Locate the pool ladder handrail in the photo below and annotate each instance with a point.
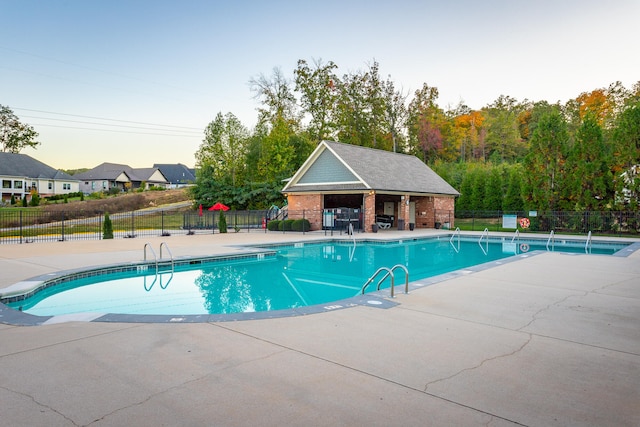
(389, 273)
(155, 258)
(485, 234)
(156, 262)
(170, 254)
(588, 244)
(456, 232)
(552, 240)
(516, 234)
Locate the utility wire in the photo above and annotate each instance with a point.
(106, 119)
(115, 125)
(115, 131)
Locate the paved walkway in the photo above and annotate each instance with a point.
(550, 340)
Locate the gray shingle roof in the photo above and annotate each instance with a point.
(15, 164)
(111, 171)
(381, 171)
(176, 173)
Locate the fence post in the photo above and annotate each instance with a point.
(133, 231)
(21, 227)
(303, 222)
(62, 240)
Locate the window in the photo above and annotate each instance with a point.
(33, 185)
(104, 185)
(93, 185)
(6, 183)
(66, 186)
(17, 184)
(50, 185)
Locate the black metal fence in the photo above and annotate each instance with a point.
(620, 223)
(25, 226)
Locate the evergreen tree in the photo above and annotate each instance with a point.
(494, 191)
(107, 227)
(513, 201)
(591, 181)
(222, 222)
(466, 189)
(478, 189)
(545, 161)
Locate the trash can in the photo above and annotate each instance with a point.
(412, 226)
(400, 224)
(374, 228)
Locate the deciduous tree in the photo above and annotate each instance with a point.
(15, 135)
(318, 88)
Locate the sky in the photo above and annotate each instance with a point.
(137, 81)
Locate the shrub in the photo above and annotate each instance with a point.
(301, 225)
(274, 225)
(222, 222)
(35, 199)
(13, 199)
(24, 202)
(107, 227)
(285, 225)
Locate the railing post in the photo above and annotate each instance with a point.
(62, 240)
(20, 226)
(303, 221)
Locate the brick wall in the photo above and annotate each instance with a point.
(444, 207)
(307, 205)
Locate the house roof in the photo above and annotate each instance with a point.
(16, 164)
(335, 166)
(177, 173)
(111, 171)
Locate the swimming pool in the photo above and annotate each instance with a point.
(276, 278)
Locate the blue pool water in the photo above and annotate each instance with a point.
(289, 277)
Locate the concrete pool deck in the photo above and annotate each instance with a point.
(551, 339)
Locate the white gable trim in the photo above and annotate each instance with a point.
(312, 159)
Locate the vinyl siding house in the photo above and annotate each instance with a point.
(379, 183)
(178, 175)
(107, 176)
(20, 174)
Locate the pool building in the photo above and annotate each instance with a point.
(389, 189)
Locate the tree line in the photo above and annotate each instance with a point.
(509, 155)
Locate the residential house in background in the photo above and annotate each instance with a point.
(178, 175)
(22, 174)
(631, 181)
(107, 176)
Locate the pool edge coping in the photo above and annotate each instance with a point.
(376, 299)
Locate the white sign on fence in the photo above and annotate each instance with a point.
(510, 221)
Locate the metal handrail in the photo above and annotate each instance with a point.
(364, 287)
(155, 258)
(389, 273)
(485, 233)
(516, 234)
(587, 245)
(406, 278)
(170, 254)
(457, 232)
(552, 239)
